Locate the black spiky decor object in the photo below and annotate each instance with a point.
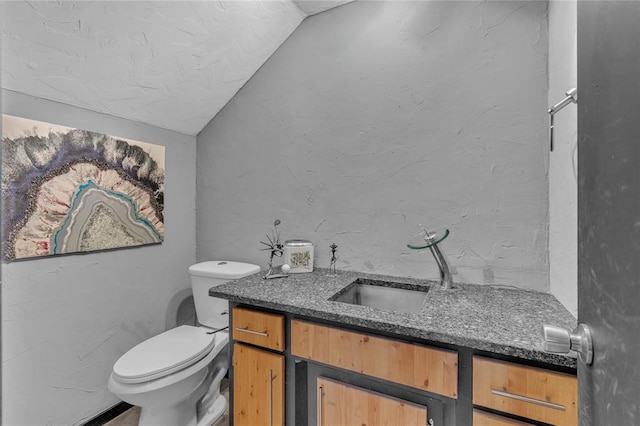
(274, 246)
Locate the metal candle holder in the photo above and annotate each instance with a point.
(332, 264)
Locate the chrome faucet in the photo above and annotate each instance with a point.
(432, 240)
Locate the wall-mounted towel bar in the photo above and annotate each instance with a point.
(571, 97)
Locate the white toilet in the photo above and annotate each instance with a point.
(175, 376)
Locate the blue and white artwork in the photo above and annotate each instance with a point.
(66, 190)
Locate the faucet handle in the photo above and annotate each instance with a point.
(429, 237)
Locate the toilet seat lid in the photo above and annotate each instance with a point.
(164, 354)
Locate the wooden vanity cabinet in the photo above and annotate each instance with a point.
(362, 378)
(258, 374)
(340, 404)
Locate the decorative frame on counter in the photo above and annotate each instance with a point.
(66, 190)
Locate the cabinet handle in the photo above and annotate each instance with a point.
(319, 406)
(527, 399)
(258, 333)
(270, 397)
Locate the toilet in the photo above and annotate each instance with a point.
(175, 376)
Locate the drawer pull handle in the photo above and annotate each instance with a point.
(270, 397)
(319, 405)
(527, 399)
(257, 333)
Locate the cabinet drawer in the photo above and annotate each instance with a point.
(417, 366)
(481, 418)
(534, 393)
(258, 328)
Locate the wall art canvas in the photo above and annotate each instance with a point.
(67, 190)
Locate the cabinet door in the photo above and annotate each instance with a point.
(258, 387)
(340, 404)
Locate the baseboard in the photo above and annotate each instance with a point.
(109, 414)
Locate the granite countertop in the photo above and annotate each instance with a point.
(500, 320)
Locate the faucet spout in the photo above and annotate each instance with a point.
(446, 281)
(432, 240)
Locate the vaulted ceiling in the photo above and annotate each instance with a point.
(171, 64)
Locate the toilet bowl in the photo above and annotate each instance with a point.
(170, 390)
(175, 376)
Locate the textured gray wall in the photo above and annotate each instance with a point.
(66, 320)
(563, 186)
(376, 116)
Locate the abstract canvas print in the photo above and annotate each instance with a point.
(66, 190)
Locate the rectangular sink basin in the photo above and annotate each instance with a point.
(383, 295)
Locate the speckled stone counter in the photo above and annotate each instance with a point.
(500, 320)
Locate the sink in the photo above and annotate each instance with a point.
(384, 295)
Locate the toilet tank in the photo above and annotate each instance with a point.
(212, 312)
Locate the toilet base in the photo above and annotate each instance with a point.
(183, 414)
(214, 412)
(180, 414)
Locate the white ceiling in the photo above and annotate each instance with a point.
(171, 64)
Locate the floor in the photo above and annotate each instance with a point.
(130, 417)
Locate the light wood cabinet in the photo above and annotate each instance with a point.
(418, 366)
(258, 387)
(533, 393)
(340, 404)
(390, 380)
